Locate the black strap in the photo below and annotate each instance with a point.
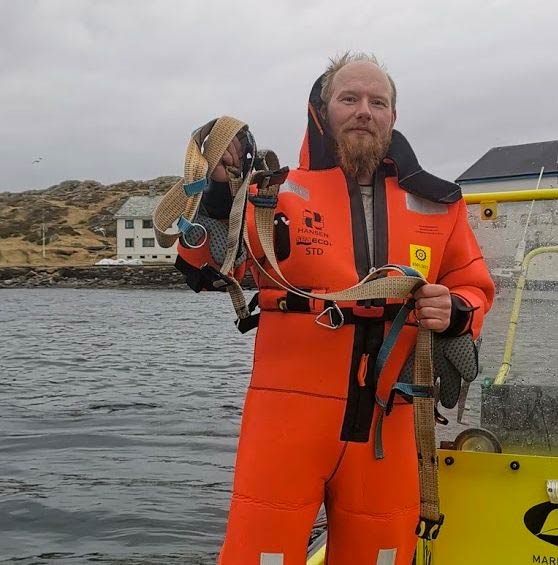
(246, 324)
(296, 303)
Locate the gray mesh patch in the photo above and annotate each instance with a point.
(422, 206)
(217, 235)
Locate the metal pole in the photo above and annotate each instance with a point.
(520, 254)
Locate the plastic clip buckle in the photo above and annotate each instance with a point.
(269, 178)
(429, 529)
(331, 311)
(216, 279)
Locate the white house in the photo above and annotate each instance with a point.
(135, 237)
(516, 167)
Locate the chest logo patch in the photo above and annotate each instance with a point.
(420, 257)
(311, 234)
(313, 220)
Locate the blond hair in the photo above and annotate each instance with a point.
(339, 61)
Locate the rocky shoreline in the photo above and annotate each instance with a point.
(113, 276)
(97, 276)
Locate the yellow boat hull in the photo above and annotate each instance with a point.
(497, 510)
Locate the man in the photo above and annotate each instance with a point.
(358, 200)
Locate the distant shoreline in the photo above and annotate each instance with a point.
(93, 276)
(97, 276)
(144, 276)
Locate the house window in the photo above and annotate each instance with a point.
(129, 242)
(129, 224)
(148, 242)
(128, 256)
(142, 256)
(154, 256)
(168, 257)
(147, 224)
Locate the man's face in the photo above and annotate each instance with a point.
(360, 116)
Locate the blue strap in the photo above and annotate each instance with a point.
(408, 391)
(391, 338)
(396, 326)
(378, 443)
(409, 271)
(383, 355)
(263, 201)
(184, 225)
(195, 187)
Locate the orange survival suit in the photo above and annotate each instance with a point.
(306, 427)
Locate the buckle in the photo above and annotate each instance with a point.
(263, 179)
(369, 311)
(428, 529)
(408, 391)
(186, 227)
(269, 178)
(336, 318)
(215, 278)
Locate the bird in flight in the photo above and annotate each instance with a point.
(38, 160)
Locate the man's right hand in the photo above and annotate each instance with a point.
(231, 158)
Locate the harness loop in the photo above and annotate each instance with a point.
(335, 316)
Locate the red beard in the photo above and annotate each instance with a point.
(360, 155)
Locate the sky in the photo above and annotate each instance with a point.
(111, 89)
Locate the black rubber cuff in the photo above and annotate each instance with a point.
(459, 319)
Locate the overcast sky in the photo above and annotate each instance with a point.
(111, 89)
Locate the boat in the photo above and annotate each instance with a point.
(498, 480)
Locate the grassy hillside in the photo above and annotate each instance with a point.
(78, 217)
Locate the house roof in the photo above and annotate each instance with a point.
(138, 207)
(514, 161)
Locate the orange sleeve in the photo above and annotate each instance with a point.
(190, 262)
(464, 271)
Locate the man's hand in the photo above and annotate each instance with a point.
(433, 307)
(231, 158)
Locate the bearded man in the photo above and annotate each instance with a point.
(359, 200)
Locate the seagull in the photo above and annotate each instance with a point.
(38, 160)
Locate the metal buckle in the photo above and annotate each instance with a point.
(186, 229)
(330, 310)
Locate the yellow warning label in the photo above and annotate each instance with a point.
(420, 256)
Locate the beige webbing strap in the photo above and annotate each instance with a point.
(213, 139)
(374, 285)
(204, 152)
(425, 436)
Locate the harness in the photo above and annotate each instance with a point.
(181, 205)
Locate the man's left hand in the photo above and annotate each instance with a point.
(433, 307)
